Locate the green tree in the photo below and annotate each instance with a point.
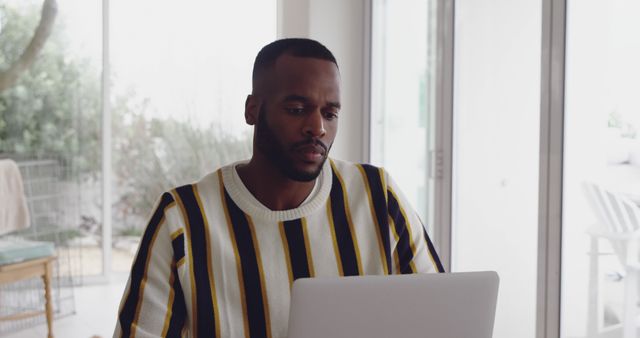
(154, 155)
(53, 110)
(18, 65)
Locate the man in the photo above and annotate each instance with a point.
(218, 257)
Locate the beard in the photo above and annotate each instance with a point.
(277, 153)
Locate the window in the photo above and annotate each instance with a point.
(496, 114)
(50, 122)
(180, 79)
(403, 80)
(602, 147)
(496, 150)
(179, 73)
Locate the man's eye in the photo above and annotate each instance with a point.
(295, 110)
(330, 115)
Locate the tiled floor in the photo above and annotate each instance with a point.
(96, 309)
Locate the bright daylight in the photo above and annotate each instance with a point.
(314, 168)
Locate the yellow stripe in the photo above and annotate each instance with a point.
(408, 224)
(167, 317)
(333, 237)
(391, 222)
(194, 312)
(383, 255)
(129, 289)
(265, 299)
(307, 247)
(395, 252)
(349, 221)
(243, 296)
(212, 283)
(433, 262)
(136, 317)
(287, 253)
(384, 184)
(176, 233)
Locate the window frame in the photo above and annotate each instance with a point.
(552, 60)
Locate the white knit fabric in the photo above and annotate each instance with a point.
(240, 258)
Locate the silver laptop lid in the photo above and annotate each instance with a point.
(448, 305)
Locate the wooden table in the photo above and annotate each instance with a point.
(39, 267)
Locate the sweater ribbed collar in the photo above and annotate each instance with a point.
(251, 206)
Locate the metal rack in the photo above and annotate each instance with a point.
(53, 200)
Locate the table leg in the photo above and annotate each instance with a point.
(47, 295)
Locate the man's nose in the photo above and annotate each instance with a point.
(314, 124)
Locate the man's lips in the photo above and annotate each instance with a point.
(311, 151)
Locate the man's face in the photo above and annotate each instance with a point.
(298, 116)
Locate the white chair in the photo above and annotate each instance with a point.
(619, 223)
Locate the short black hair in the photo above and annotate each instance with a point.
(300, 47)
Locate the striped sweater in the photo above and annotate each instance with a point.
(214, 262)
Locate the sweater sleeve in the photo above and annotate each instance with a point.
(153, 304)
(413, 250)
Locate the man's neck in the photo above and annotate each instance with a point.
(269, 186)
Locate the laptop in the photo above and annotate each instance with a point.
(447, 305)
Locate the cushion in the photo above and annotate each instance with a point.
(15, 250)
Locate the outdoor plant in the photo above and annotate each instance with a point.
(53, 110)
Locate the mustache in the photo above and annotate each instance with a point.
(310, 142)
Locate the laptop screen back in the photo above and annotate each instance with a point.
(450, 305)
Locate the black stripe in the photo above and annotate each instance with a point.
(128, 311)
(433, 252)
(250, 271)
(405, 255)
(297, 250)
(341, 227)
(380, 207)
(204, 306)
(178, 247)
(179, 307)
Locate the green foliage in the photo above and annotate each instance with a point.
(54, 111)
(627, 130)
(131, 232)
(154, 155)
(50, 233)
(54, 107)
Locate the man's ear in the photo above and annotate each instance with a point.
(251, 110)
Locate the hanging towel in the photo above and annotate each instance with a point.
(14, 214)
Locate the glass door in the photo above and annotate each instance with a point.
(496, 119)
(50, 124)
(403, 96)
(601, 169)
(180, 80)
